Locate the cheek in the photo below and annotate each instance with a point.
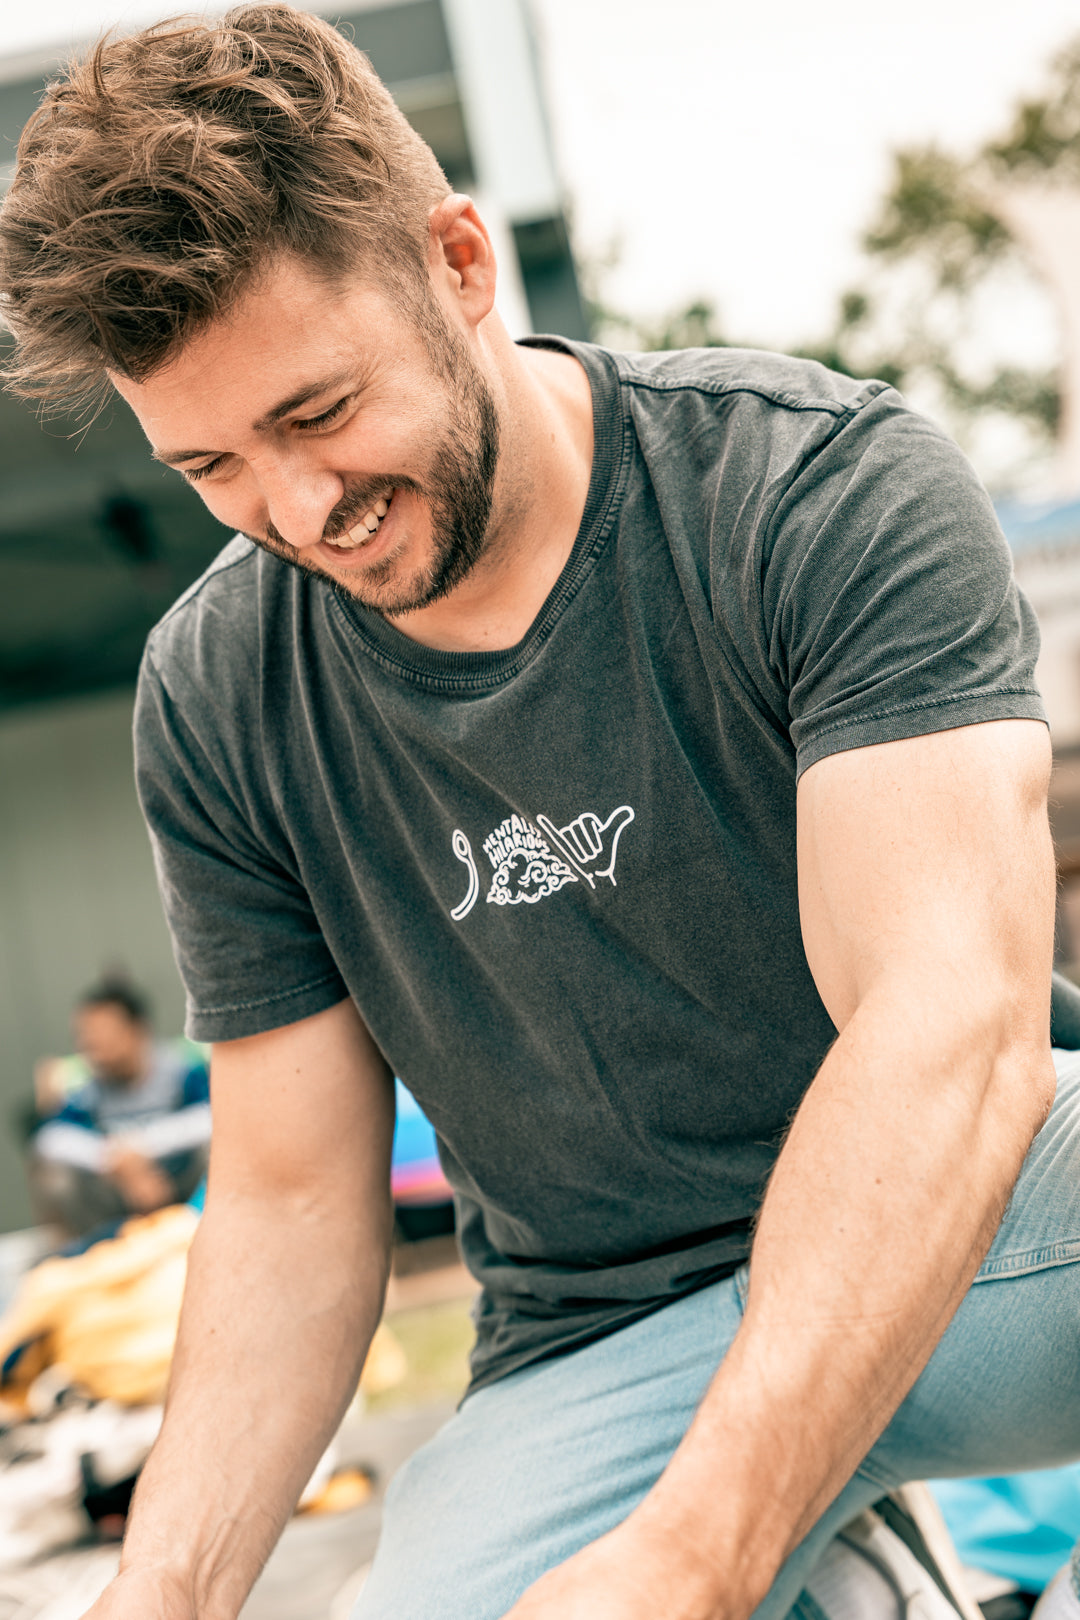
(236, 504)
(396, 439)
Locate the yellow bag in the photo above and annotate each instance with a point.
(110, 1315)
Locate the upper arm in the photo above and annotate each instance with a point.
(926, 875)
(305, 1110)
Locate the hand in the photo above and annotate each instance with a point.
(139, 1179)
(589, 844)
(626, 1575)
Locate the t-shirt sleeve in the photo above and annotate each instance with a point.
(890, 605)
(247, 943)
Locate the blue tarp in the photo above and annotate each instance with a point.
(1022, 1526)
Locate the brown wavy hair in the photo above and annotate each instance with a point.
(162, 173)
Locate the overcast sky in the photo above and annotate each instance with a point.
(736, 150)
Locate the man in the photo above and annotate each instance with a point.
(132, 1138)
(642, 759)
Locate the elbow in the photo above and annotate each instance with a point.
(1032, 1086)
(1021, 1078)
(996, 1027)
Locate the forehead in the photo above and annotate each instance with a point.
(101, 1014)
(286, 332)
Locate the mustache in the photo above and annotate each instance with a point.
(357, 499)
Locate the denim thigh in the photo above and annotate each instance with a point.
(545, 1461)
(1001, 1392)
(536, 1466)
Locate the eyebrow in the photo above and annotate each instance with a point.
(176, 458)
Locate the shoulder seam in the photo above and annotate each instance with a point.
(664, 385)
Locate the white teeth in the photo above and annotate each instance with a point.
(364, 528)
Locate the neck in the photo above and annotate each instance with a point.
(545, 462)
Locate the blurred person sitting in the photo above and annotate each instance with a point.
(132, 1137)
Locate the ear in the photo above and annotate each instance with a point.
(460, 257)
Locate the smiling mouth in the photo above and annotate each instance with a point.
(365, 527)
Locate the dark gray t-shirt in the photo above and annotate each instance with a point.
(559, 880)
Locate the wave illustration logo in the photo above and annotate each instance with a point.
(526, 869)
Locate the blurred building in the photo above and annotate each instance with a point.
(96, 541)
(1045, 541)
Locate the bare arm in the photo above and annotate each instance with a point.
(926, 895)
(285, 1286)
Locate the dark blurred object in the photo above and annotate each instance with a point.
(1010, 1605)
(106, 1505)
(96, 542)
(129, 524)
(1064, 1013)
(415, 1222)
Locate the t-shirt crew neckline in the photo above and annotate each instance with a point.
(470, 671)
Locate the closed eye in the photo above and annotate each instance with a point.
(308, 424)
(316, 422)
(201, 472)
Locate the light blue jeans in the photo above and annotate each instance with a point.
(536, 1466)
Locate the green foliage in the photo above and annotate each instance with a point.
(695, 326)
(1044, 137)
(1033, 396)
(934, 208)
(937, 242)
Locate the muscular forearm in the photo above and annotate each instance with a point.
(885, 1198)
(283, 1297)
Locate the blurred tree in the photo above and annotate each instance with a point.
(943, 251)
(944, 270)
(696, 326)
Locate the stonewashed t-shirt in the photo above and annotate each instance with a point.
(559, 880)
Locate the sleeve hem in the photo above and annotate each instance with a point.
(918, 719)
(231, 1023)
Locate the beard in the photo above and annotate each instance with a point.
(458, 490)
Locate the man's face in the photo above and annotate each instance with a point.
(335, 431)
(111, 1042)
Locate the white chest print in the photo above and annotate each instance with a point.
(527, 866)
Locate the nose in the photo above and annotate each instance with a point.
(298, 500)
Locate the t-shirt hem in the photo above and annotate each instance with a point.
(231, 1023)
(490, 1366)
(919, 719)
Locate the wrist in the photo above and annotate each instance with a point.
(689, 1555)
(148, 1592)
(719, 1564)
(171, 1589)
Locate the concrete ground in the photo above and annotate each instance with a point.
(316, 1557)
(313, 1573)
(315, 1570)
